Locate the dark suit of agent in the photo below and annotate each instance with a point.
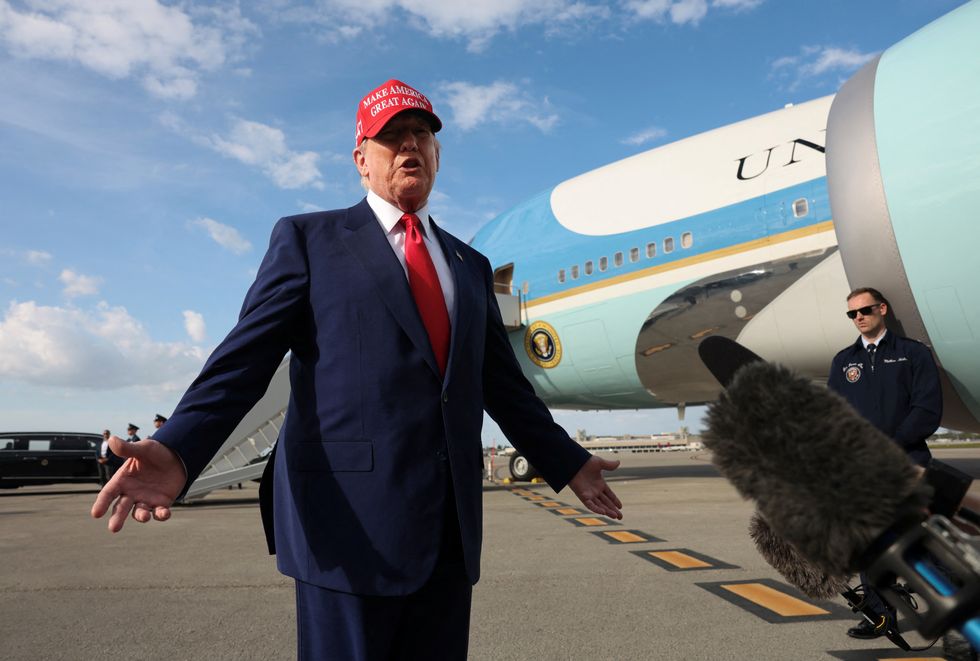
(377, 475)
(893, 382)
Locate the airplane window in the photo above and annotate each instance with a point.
(669, 244)
(588, 267)
(634, 254)
(651, 250)
(618, 259)
(561, 275)
(801, 208)
(575, 272)
(687, 240)
(603, 263)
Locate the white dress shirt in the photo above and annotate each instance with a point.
(390, 216)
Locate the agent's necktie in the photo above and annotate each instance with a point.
(424, 282)
(871, 355)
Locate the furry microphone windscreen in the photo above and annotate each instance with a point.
(823, 477)
(781, 556)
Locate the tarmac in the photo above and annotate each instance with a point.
(678, 578)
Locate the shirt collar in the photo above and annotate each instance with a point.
(876, 341)
(389, 215)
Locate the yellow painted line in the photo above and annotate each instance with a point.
(678, 559)
(550, 503)
(624, 536)
(589, 521)
(567, 510)
(792, 235)
(535, 498)
(774, 600)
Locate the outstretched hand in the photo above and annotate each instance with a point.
(146, 485)
(592, 489)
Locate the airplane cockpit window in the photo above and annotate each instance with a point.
(588, 267)
(618, 259)
(669, 244)
(800, 207)
(603, 263)
(687, 240)
(634, 254)
(651, 250)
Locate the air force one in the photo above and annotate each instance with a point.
(755, 231)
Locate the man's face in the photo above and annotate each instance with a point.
(872, 324)
(158, 423)
(400, 163)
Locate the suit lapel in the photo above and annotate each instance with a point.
(366, 240)
(464, 285)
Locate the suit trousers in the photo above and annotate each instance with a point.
(432, 623)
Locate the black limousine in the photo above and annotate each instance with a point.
(28, 458)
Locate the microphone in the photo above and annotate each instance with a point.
(823, 477)
(834, 492)
(785, 559)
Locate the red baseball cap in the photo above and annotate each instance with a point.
(386, 101)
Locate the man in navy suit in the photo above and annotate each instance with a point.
(397, 347)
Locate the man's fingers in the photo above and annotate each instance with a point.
(102, 502)
(608, 464)
(120, 510)
(142, 512)
(161, 513)
(610, 506)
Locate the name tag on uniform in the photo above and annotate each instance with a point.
(896, 360)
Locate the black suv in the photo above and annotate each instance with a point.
(48, 458)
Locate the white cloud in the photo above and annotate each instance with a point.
(101, 348)
(224, 235)
(38, 257)
(194, 325)
(77, 284)
(816, 61)
(265, 147)
(477, 23)
(646, 135)
(738, 5)
(499, 102)
(165, 47)
(681, 12)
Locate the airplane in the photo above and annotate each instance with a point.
(755, 231)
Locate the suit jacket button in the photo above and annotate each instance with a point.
(445, 397)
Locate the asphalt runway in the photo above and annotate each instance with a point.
(678, 578)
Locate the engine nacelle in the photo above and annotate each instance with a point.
(903, 171)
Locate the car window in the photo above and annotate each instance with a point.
(38, 446)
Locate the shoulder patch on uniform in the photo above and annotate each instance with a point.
(852, 373)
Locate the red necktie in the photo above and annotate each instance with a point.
(426, 290)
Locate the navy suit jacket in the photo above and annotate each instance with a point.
(373, 432)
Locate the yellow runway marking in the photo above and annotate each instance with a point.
(568, 510)
(776, 601)
(590, 521)
(550, 503)
(625, 537)
(534, 498)
(678, 559)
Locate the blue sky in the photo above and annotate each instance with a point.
(147, 148)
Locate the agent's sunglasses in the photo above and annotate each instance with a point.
(865, 311)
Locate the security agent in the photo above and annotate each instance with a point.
(893, 382)
(158, 421)
(133, 436)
